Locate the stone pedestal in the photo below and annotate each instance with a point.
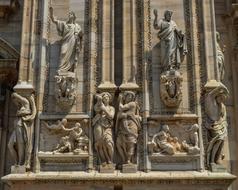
(217, 168)
(129, 168)
(18, 169)
(108, 168)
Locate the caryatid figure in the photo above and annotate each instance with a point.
(103, 124)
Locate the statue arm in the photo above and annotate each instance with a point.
(52, 17)
(155, 24)
(110, 113)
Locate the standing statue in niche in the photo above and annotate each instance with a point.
(103, 124)
(173, 46)
(220, 57)
(216, 124)
(71, 45)
(127, 126)
(20, 142)
(71, 42)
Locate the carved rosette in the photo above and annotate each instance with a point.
(171, 88)
(65, 89)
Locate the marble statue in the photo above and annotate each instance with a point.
(220, 57)
(20, 142)
(103, 124)
(127, 126)
(172, 40)
(191, 146)
(72, 35)
(163, 143)
(216, 123)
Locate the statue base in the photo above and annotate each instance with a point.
(129, 168)
(108, 168)
(18, 169)
(218, 168)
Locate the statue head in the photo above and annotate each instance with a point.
(64, 121)
(193, 128)
(168, 15)
(218, 36)
(72, 17)
(165, 128)
(106, 98)
(129, 96)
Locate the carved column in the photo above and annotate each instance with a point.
(129, 45)
(107, 48)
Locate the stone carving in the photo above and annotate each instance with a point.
(127, 126)
(65, 89)
(71, 44)
(164, 143)
(171, 88)
(20, 142)
(191, 146)
(220, 57)
(161, 142)
(172, 41)
(103, 124)
(75, 141)
(216, 123)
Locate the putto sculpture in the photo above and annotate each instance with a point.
(216, 123)
(173, 48)
(71, 45)
(20, 142)
(103, 124)
(127, 127)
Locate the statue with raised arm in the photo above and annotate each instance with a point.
(71, 42)
(103, 124)
(173, 46)
(20, 142)
(127, 126)
(216, 123)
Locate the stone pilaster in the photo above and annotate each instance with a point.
(107, 49)
(129, 45)
(210, 53)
